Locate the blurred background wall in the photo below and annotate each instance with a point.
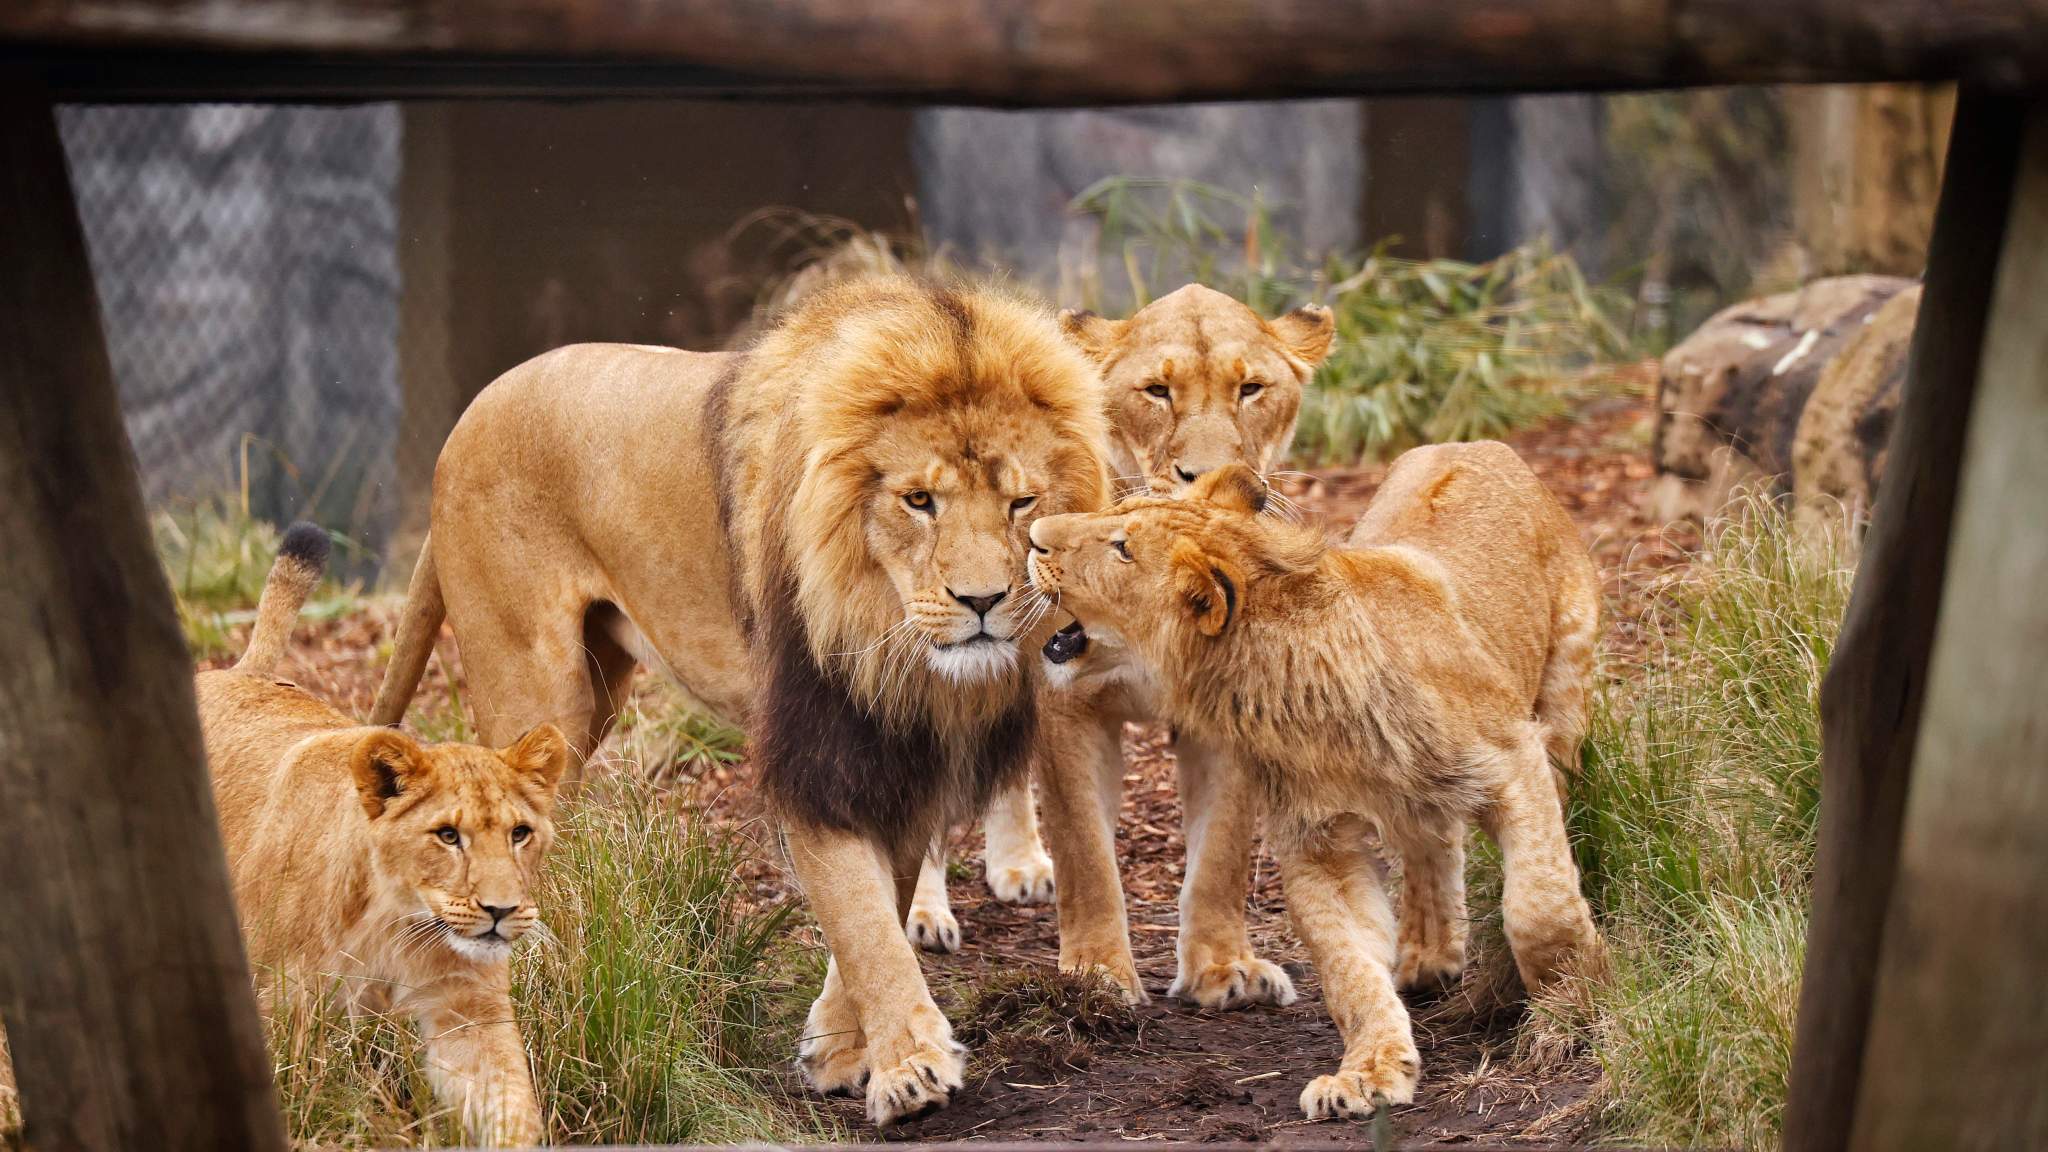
(300, 301)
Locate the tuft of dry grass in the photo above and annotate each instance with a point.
(1041, 1018)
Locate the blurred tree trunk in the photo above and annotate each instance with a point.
(1867, 167)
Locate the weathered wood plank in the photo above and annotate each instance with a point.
(123, 986)
(1016, 51)
(1959, 1022)
(1871, 701)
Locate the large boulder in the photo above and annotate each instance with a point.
(1792, 394)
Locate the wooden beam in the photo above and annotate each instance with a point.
(1871, 700)
(1007, 51)
(123, 986)
(1958, 1047)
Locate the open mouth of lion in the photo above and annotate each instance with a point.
(1065, 644)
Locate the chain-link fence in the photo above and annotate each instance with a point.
(248, 278)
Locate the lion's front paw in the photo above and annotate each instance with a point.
(918, 1085)
(1353, 1095)
(1428, 972)
(1235, 983)
(1028, 881)
(834, 1062)
(933, 929)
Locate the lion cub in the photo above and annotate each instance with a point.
(395, 874)
(1408, 682)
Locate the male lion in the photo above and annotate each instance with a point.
(396, 873)
(822, 535)
(1196, 381)
(1408, 681)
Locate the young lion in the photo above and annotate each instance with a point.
(399, 875)
(1406, 682)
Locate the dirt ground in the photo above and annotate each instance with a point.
(1173, 1073)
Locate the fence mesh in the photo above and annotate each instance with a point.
(247, 271)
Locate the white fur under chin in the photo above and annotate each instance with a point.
(973, 663)
(471, 948)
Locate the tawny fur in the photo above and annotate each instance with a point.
(335, 837)
(1409, 681)
(789, 531)
(1195, 380)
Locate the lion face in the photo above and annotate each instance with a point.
(1149, 573)
(1197, 381)
(947, 521)
(935, 424)
(458, 832)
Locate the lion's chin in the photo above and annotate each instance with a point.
(491, 947)
(971, 662)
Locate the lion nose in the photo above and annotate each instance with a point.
(1037, 547)
(1187, 475)
(498, 912)
(981, 604)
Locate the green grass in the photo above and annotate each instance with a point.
(1694, 820)
(1426, 350)
(650, 1017)
(216, 557)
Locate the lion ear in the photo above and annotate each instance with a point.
(1096, 335)
(541, 756)
(1307, 332)
(1235, 487)
(1204, 586)
(384, 765)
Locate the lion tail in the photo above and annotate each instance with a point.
(301, 561)
(417, 629)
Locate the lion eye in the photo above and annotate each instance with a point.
(447, 835)
(1249, 389)
(1159, 390)
(919, 501)
(521, 834)
(1122, 549)
(1022, 503)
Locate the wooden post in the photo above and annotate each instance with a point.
(123, 984)
(1959, 1021)
(1871, 700)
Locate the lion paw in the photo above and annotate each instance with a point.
(1118, 971)
(834, 1064)
(1355, 1095)
(933, 929)
(1237, 983)
(1428, 973)
(1029, 882)
(917, 1086)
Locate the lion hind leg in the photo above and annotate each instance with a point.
(1549, 925)
(1567, 670)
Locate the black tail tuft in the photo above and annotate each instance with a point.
(306, 545)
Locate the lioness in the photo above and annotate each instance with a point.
(398, 874)
(1408, 682)
(822, 535)
(1195, 381)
